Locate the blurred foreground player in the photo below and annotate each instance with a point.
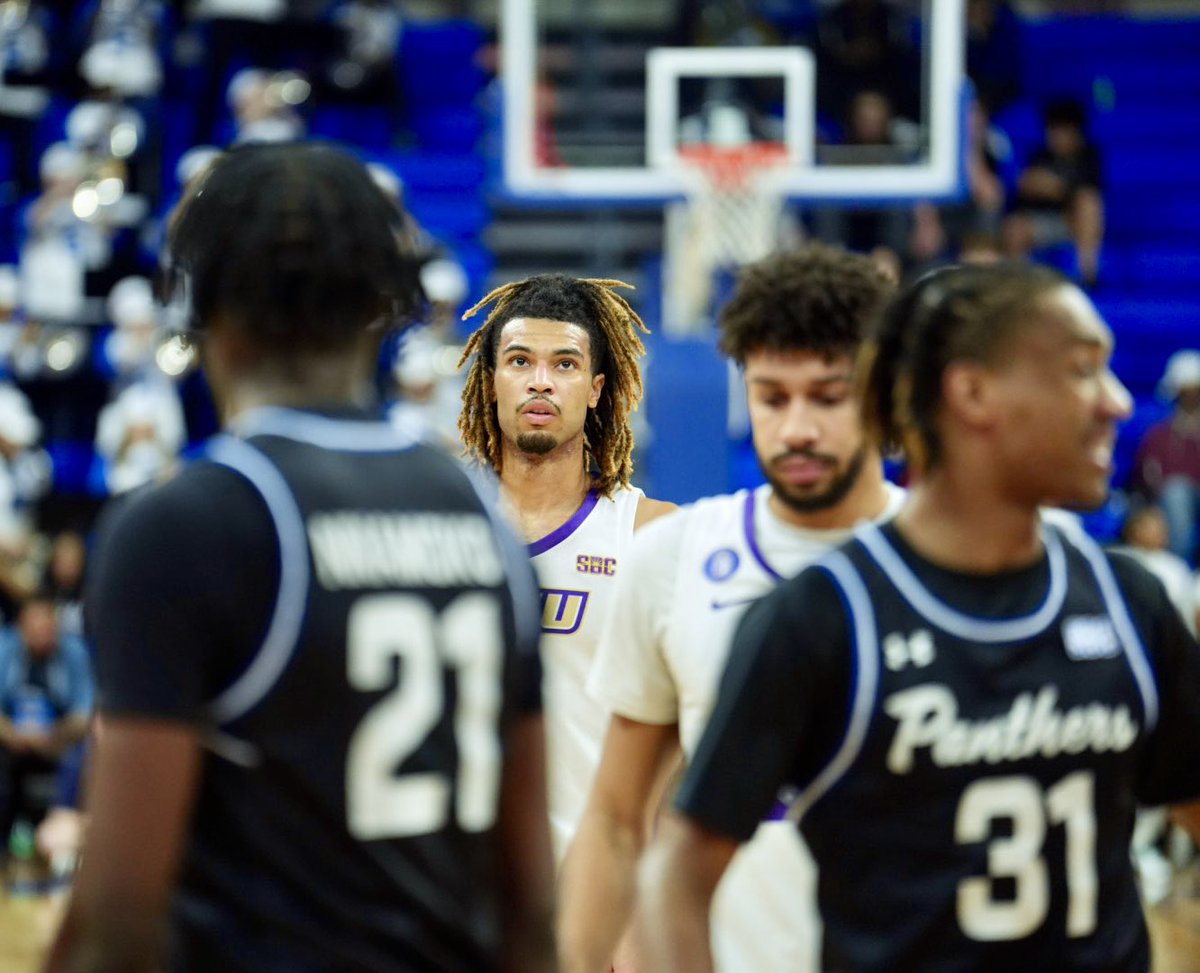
(967, 704)
(316, 650)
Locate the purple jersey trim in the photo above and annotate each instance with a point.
(561, 533)
(751, 541)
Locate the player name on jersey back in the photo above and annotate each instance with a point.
(369, 549)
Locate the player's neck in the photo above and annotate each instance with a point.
(246, 376)
(965, 527)
(279, 392)
(544, 491)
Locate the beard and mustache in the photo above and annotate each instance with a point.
(803, 500)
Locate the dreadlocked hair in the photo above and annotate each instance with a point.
(612, 327)
(953, 314)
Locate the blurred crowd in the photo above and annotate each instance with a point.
(1042, 199)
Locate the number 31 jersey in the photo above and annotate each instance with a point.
(969, 754)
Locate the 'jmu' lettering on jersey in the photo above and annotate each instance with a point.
(927, 717)
(366, 549)
(563, 610)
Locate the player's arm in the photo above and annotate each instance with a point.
(787, 674)
(526, 861)
(139, 802)
(1171, 772)
(675, 891)
(598, 878)
(649, 510)
(163, 624)
(630, 677)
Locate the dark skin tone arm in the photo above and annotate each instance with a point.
(140, 797)
(676, 884)
(526, 860)
(140, 800)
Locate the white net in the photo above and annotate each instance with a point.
(732, 216)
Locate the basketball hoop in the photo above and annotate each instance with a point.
(732, 217)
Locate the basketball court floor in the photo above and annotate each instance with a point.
(27, 925)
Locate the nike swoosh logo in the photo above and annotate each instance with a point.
(733, 603)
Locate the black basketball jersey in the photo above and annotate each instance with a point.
(966, 779)
(345, 814)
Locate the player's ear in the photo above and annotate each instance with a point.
(967, 393)
(597, 388)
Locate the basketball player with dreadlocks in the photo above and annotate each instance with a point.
(793, 326)
(547, 406)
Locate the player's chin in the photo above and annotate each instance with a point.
(806, 499)
(1085, 493)
(536, 443)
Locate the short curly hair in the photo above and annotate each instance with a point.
(815, 298)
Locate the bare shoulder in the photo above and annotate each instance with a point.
(649, 510)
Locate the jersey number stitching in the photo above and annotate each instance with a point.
(1020, 799)
(465, 637)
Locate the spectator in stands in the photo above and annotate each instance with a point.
(980, 248)
(938, 231)
(427, 392)
(77, 236)
(25, 476)
(11, 324)
(1144, 537)
(128, 350)
(273, 34)
(1167, 462)
(262, 110)
(111, 135)
(366, 68)
(26, 58)
(139, 435)
(994, 52)
(55, 245)
(121, 55)
(871, 139)
(64, 580)
(46, 695)
(863, 44)
(1059, 193)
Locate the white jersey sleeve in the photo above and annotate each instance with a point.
(630, 674)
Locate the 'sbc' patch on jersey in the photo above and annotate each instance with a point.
(562, 610)
(592, 564)
(1090, 637)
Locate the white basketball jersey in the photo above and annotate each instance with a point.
(577, 566)
(721, 553)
